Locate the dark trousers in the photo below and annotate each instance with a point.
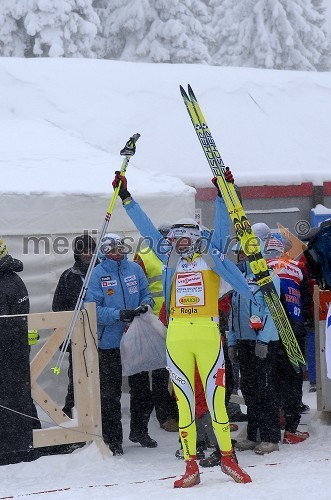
(164, 402)
(259, 388)
(16, 430)
(70, 397)
(141, 403)
(290, 387)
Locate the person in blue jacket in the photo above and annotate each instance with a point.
(193, 264)
(253, 340)
(120, 290)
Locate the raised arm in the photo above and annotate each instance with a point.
(145, 226)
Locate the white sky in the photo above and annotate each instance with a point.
(63, 122)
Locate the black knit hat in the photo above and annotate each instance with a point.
(83, 244)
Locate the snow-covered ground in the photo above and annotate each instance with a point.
(141, 473)
(295, 472)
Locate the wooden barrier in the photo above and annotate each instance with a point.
(87, 425)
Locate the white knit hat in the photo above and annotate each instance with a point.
(272, 241)
(261, 230)
(109, 242)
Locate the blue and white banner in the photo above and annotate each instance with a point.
(328, 343)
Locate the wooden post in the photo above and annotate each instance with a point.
(86, 371)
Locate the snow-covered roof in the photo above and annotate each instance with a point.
(63, 122)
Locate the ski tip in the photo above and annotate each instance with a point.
(190, 92)
(182, 91)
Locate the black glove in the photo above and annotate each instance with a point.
(233, 353)
(123, 192)
(141, 309)
(127, 315)
(261, 349)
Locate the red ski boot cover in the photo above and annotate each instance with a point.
(230, 466)
(295, 437)
(191, 476)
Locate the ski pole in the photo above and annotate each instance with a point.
(127, 152)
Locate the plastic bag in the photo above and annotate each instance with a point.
(143, 345)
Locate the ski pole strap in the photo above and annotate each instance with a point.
(130, 147)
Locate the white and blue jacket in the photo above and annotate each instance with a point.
(216, 258)
(114, 286)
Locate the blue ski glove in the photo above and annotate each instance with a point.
(261, 349)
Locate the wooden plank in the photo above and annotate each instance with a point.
(48, 405)
(45, 354)
(56, 435)
(50, 320)
(45, 321)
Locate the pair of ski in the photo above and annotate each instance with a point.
(243, 229)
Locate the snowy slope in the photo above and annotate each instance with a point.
(66, 119)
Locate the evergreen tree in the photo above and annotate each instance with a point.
(12, 32)
(320, 7)
(60, 28)
(124, 22)
(173, 31)
(279, 34)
